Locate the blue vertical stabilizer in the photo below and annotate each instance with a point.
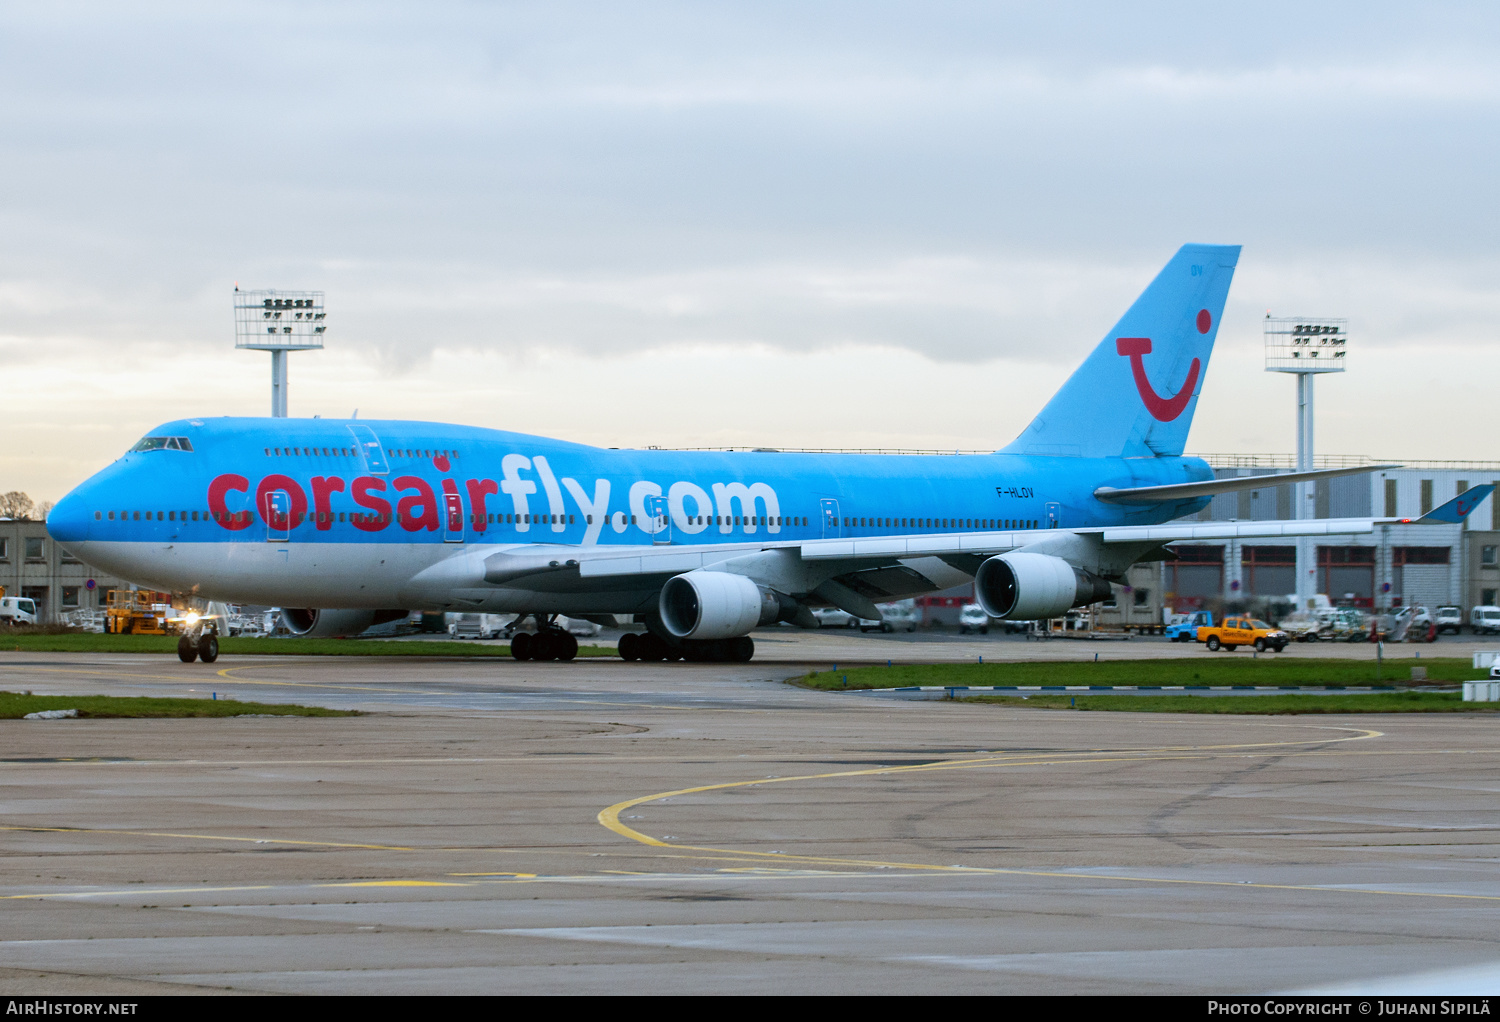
(1136, 394)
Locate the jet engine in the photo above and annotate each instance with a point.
(719, 605)
(329, 624)
(1028, 587)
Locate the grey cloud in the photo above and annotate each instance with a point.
(948, 178)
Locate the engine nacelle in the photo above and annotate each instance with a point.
(1028, 587)
(719, 605)
(330, 624)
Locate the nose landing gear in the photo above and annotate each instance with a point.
(203, 646)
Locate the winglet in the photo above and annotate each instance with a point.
(1457, 509)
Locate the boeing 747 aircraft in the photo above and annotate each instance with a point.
(360, 521)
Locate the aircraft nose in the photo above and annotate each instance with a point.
(68, 521)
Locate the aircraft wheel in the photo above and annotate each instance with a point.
(1260, 645)
(543, 646)
(1213, 643)
(741, 649)
(520, 645)
(208, 648)
(651, 647)
(187, 652)
(565, 646)
(630, 646)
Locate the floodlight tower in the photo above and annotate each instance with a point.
(278, 322)
(1307, 347)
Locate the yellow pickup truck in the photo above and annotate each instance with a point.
(1243, 631)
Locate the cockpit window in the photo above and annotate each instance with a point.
(163, 443)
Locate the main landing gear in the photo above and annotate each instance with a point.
(650, 646)
(203, 647)
(548, 643)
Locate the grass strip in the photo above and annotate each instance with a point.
(1371, 702)
(15, 705)
(89, 642)
(1210, 669)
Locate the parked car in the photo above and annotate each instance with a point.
(973, 619)
(832, 617)
(1449, 619)
(1485, 620)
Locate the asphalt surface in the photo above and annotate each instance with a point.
(602, 827)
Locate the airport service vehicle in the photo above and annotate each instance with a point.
(1449, 619)
(139, 612)
(1243, 631)
(476, 626)
(1184, 627)
(973, 619)
(17, 610)
(345, 523)
(1485, 620)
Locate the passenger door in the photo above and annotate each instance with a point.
(661, 526)
(453, 519)
(832, 523)
(278, 515)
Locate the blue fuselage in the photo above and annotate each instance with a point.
(319, 481)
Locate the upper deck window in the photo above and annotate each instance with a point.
(163, 443)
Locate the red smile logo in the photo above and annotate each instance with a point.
(1164, 409)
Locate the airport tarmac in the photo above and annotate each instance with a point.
(603, 827)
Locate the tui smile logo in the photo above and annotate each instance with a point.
(1163, 409)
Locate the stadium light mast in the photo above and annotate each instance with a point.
(279, 322)
(1307, 347)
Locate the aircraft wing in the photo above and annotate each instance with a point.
(854, 573)
(675, 559)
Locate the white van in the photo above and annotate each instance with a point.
(973, 619)
(1485, 620)
(17, 610)
(900, 616)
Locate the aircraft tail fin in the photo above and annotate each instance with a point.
(1457, 509)
(1136, 393)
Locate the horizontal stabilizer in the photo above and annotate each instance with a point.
(1210, 487)
(1457, 509)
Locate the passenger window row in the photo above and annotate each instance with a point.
(851, 522)
(397, 452)
(333, 452)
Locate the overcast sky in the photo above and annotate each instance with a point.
(858, 224)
